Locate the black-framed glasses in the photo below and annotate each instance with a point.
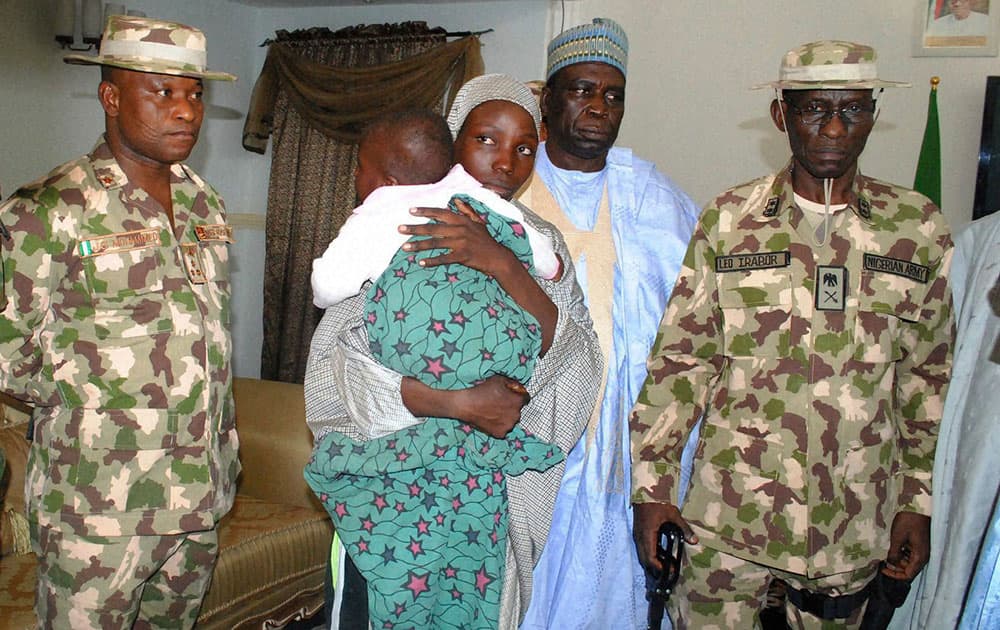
(818, 114)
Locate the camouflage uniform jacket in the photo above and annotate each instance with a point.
(820, 421)
(117, 330)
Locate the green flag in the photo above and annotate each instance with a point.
(928, 178)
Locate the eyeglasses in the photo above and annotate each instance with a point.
(816, 114)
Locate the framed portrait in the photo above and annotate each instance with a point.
(956, 28)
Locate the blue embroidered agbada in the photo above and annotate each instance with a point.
(589, 575)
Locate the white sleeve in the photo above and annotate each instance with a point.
(362, 250)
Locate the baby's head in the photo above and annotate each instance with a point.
(403, 148)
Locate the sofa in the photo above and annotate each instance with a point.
(274, 545)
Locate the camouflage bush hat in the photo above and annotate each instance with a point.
(603, 40)
(829, 65)
(491, 87)
(149, 45)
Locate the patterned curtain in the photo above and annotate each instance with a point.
(317, 90)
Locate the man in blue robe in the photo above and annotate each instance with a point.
(627, 227)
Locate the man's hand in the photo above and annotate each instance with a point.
(909, 545)
(464, 234)
(647, 519)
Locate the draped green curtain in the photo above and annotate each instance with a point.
(315, 93)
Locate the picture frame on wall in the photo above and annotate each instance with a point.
(956, 28)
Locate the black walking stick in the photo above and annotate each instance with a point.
(669, 551)
(885, 595)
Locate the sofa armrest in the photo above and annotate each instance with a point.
(275, 442)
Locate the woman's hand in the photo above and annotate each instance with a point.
(470, 244)
(493, 406)
(464, 234)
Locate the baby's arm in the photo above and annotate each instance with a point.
(361, 252)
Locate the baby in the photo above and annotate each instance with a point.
(423, 509)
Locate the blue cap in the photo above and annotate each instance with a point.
(602, 41)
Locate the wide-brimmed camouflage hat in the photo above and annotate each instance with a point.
(149, 45)
(830, 65)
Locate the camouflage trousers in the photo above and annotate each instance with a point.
(121, 582)
(718, 591)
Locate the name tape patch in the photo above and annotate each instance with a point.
(122, 242)
(214, 232)
(752, 262)
(896, 266)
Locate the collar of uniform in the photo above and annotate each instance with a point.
(106, 167)
(111, 175)
(181, 171)
(779, 197)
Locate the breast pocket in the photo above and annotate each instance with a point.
(756, 312)
(127, 293)
(886, 302)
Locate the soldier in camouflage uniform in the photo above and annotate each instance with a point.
(811, 324)
(115, 326)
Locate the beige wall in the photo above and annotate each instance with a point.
(51, 114)
(689, 105)
(691, 110)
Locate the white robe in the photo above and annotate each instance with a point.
(966, 472)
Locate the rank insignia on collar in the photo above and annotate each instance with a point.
(864, 208)
(771, 208)
(831, 288)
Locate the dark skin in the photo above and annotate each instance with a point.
(909, 538)
(828, 150)
(583, 105)
(152, 121)
(371, 172)
(496, 146)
